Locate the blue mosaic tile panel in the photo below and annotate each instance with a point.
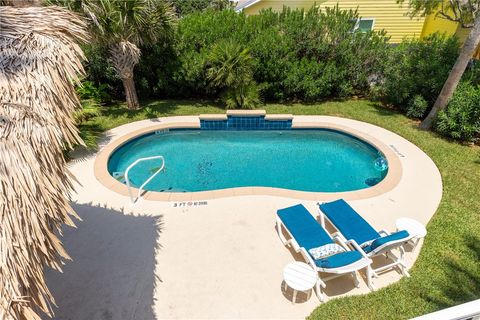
(213, 124)
(246, 123)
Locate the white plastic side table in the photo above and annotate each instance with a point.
(413, 227)
(300, 277)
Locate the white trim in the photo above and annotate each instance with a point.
(355, 28)
(352, 268)
(385, 249)
(469, 310)
(246, 4)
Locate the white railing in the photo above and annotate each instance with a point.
(127, 180)
(469, 310)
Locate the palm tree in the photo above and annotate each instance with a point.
(230, 67)
(123, 26)
(40, 62)
(455, 75)
(467, 15)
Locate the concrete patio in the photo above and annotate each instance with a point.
(218, 259)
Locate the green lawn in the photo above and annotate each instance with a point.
(448, 269)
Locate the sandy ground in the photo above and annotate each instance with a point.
(221, 259)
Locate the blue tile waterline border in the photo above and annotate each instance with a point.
(171, 130)
(246, 123)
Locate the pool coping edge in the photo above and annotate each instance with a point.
(391, 180)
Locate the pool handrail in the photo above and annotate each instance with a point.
(127, 180)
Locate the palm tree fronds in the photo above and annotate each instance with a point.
(124, 26)
(40, 62)
(125, 56)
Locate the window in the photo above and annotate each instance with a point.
(364, 24)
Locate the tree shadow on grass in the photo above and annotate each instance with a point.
(146, 110)
(463, 276)
(112, 275)
(165, 106)
(384, 110)
(155, 108)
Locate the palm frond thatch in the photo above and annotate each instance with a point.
(39, 64)
(125, 56)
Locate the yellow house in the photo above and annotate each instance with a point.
(374, 15)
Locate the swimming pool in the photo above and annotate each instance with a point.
(317, 160)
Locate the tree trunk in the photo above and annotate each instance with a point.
(455, 75)
(125, 56)
(130, 93)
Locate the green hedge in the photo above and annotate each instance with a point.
(418, 68)
(297, 55)
(461, 119)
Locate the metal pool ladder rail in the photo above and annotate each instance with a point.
(127, 180)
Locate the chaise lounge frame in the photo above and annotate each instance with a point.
(385, 249)
(336, 272)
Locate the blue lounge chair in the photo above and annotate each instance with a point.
(306, 233)
(363, 237)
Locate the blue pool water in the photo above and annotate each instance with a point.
(306, 160)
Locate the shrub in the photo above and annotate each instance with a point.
(230, 68)
(91, 101)
(88, 91)
(100, 72)
(297, 55)
(326, 58)
(461, 119)
(196, 35)
(184, 7)
(155, 73)
(417, 107)
(419, 67)
(310, 80)
(244, 97)
(472, 73)
(91, 108)
(271, 50)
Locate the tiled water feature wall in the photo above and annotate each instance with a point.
(246, 120)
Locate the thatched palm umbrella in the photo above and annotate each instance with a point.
(39, 65)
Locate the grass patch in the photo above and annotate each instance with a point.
(447, 271)
(117, 114)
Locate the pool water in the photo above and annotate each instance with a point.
(196, 160)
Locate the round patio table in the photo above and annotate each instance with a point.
(413, 227)
(300, 277)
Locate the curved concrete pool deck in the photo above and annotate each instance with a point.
(218, 259)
